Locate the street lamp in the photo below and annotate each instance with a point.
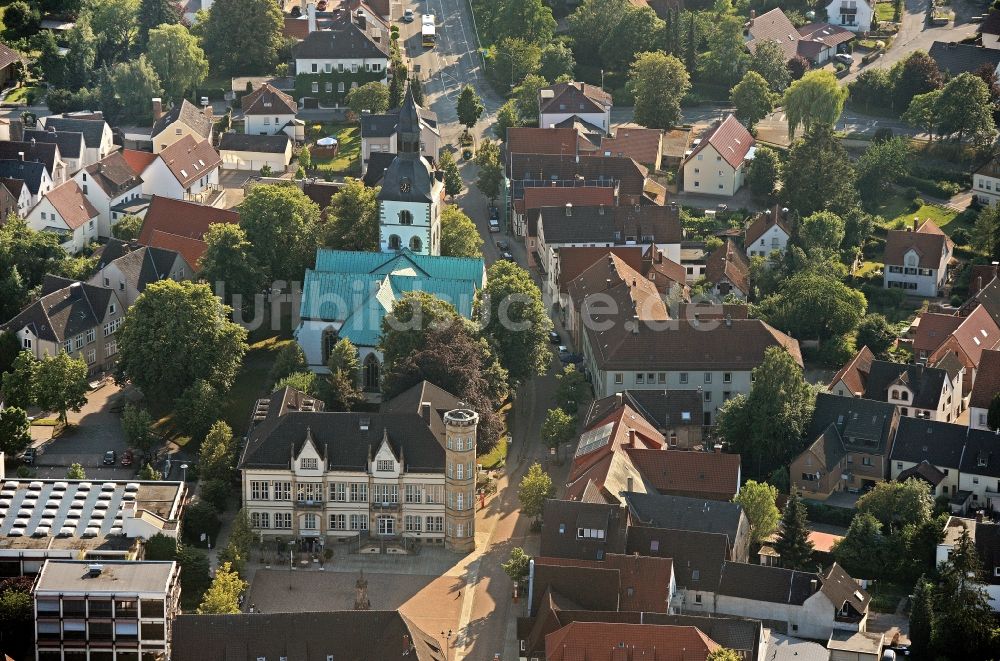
(184, 474)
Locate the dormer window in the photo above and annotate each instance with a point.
(309, 463)
(384, 465)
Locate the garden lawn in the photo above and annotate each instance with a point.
(348, 158)
(20, 94)
(496, 457)
(884, 11)
(942, 217)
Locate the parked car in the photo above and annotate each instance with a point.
(494, 213)
(110, 458)
(844, 58)
(494, 225)
(127, 458)
(554, 337)
(507, 256)
(28, 456)
(408, 16)
(503, 246)
(569, 357)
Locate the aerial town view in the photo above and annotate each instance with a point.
(499, 330)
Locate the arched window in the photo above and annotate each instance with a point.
(904, 395)
(911, 260)
(416, 245)
(895, 394)
(394, 242)
(371, 373)
(405, 217)
(329, 341)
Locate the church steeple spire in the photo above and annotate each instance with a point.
(408, 128)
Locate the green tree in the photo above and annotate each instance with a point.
(880, 166)
(232, 24)
(82, 53)
(917, 74)
(373, 97)
(452, 177)
(128, 228)
(178, 59)
(20, 385)
(962, 615)
(965, 108)
(814, 304)
(223, 597)
(116, 25)
(768, 59)
(229, 266)
(216, 493)
(723, 654)
(591, 22)
(875, 332)
(280, 223)
(525, 98)
(638, 30)
(821, 230)
(459, 236)
(897, 504)
(290, 359)
(197, 408)
(727, 58)
(405, 328)
(10, 347)
(793, 543)
(21, 19)
(816, 99)
(658, 82)
(517, 565)
(16, 614)
(137, 425)
(469, 106)
(49, 64)
(530, 20)
(872, 89)
(766, 426)
(507, 117)
(76, 472)
(176, 333)
(241, 534)
(302, 381)
(818, 174)
(61, 384)
(535, 488)
(417, 90)
(352, 220)
(217, 452)
(15, 431)
(923, 112)
(490, 177)
(149, 473)
(860, 552)
(154, 14)
(305, 157)
(922, 623)
(514, 320)
(201, 519)
(133, 84)
(340, 390)
(557, 61)
(160, 547)
(753, 99)
(558, 428)
(764, 173)
(758, 500)
(986, 230)
(572, 389)
(514, 60)
(195, 577)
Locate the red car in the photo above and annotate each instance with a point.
(127, 458)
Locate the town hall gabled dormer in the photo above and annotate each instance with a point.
(310, 461)
(385, 463)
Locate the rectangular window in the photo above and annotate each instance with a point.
(283, 520)
(359, 492)
(708, 395)
(338, 522)
(315, 86)
(283, 491)
(411, 523)
(661, 377)
(435, 524)
(684, 377)
(708, 377)
(91, 335)
(340, 87)
(78, 342)
(260, 519)
(309, 463)
(329, 87)
(309, 492)
(727, 377)
(260, 490)
(412, 493)
(338, 492)
(310, 522)
(110, 348)
(68, 346)
(315, 67)
(619, 377)
(459, 500)
(359, 522)
(386, 493)
(384, 465)
(433, 494)
(640, 378)
(460, 471)
(91, 356)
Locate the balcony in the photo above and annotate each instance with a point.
(308, 504)
(385, 507)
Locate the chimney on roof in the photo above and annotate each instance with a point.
(753, 15)
(619, 398)
(631, 438)
(20, 155)
(157, 109)
(718, 448)
(425, 411)
(729, 321)
(569, 208)
(814, 584)
(360, 18)
(628, 483)
(311, 14)
(915, 219)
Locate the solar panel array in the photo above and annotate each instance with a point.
(63, 508)
(594, 439)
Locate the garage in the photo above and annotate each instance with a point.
(240, 151)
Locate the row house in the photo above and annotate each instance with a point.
(184, 119)
(129, 267)
(113, 188)
(964, 338)
(31, 179)
(769, 232)
(185, 170)
(39, 152)
(727, 271)
(98, 139)
(66, 212)
(719, 161)
(72, 148)
(984, 393)
(583, 101)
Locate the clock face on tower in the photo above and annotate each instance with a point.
(404, 186)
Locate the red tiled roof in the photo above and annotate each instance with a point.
(987, 380)
(663, 271)
(982, 275)
(934, 328)
(612, 276)
(823, 541)
(573, 97)
(268, 100)
(928, 241)
(71, 204)
(188, 159)
(975, 334)
(8, 56)
(730, 139)
(681, 472)
(855, 372)
(138, 160)
(623, 421)
(586, 641)
(730, 263)
(180, 226)
(533, 140)
(763, 222)
(574, 261)
(774, 26)
(296, 27)
(639, 143)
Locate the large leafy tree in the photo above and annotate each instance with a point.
(557, 428)
(922, 113)
(861, 551)
(525, 98)
(963, 619)
(469, 107)
(917, 74)
(793, 543)
(530, 20)
(766, 426)
(15, 431)
(572, 389)
(223, 597)
(515, 59)
(514, 320)
(897, 504)
(372, 97)
(758, 500)
(557, 61)
(351, 221)
(965, 108)
(130, 85)
(116, 25)
(871, 90)
(535, 488)
(490, 177)
(768, 60)
(20, 384)
(814, 304)
(726, 60)
(875, 332)
(216, 454)
(26, 256)
(178, 59)
(818, 174)
(459, 236)
(137, 424)
(753, 99)
(823, 230)
(176, 333)
(638, 30)
(986, 231)
(405, 328)
(128, 228)
(16, 615)
(764, 173)
(816, 99)
(232, 25)
(591, 22)
(10, 346)
(156, 13)
(61, 384)
(82, 53)
(658, 82)
(880, 166)
(340, 389)
(453, 184)
(228, 264)
(280, 222)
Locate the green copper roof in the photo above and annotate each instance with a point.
(452, 268)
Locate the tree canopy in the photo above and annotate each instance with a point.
(233, 24)
(280, 223)
(753, 99)
(469, 106)
(178, 59)
(793, 543)
(459, 236)
(819, 175)
(758, 500)
(816, 99)
(223, 597)
(372, 97)
(658, 82)
(229, 266)
(61, 384)
(535, 488)
(351, 221)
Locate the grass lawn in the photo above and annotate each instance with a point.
(251, 382)
(884, 11)
(348, 158)
(886, 596)
(941, 216)
(867, 267)
(20, 95)
(496, 457)
(893, 206)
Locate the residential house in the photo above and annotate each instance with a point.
(651, 510)
(10, 60)
(980, 276)
(916, 260)
(853, 15)
(816, 42)
(269, 111)
(714, 357)
(769, 232)
(973, 335)
(987, 296)
(379, 134)
(570, 226)
(693, 256)
(186, 170)
(129, 267)
(852, 379)
(113, 188)
(408, 472)
(19, 200)
(802, 604)
(350, 51)
(181, 226)
(524, 213)
(74, 317)
(582, 530)
(728, 271)
(718, 165)
(562, 101)
(333, 307)
(568, 141)
(673, 413)
(66, 212)
(850, 442)
(8, 203)
(183, 120)
(98, 139)
(72, 149)
(986, 536)
(581, 641)
(638, 583)
(248, 151)
(639, 143)
(38, 152)
(705, 475)
(955, 58)
(359, 635)
(676, 145)
(669, 277)
(986, 179)
(979, 470)
(114, 608)
(574, 261)
(985, 391)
